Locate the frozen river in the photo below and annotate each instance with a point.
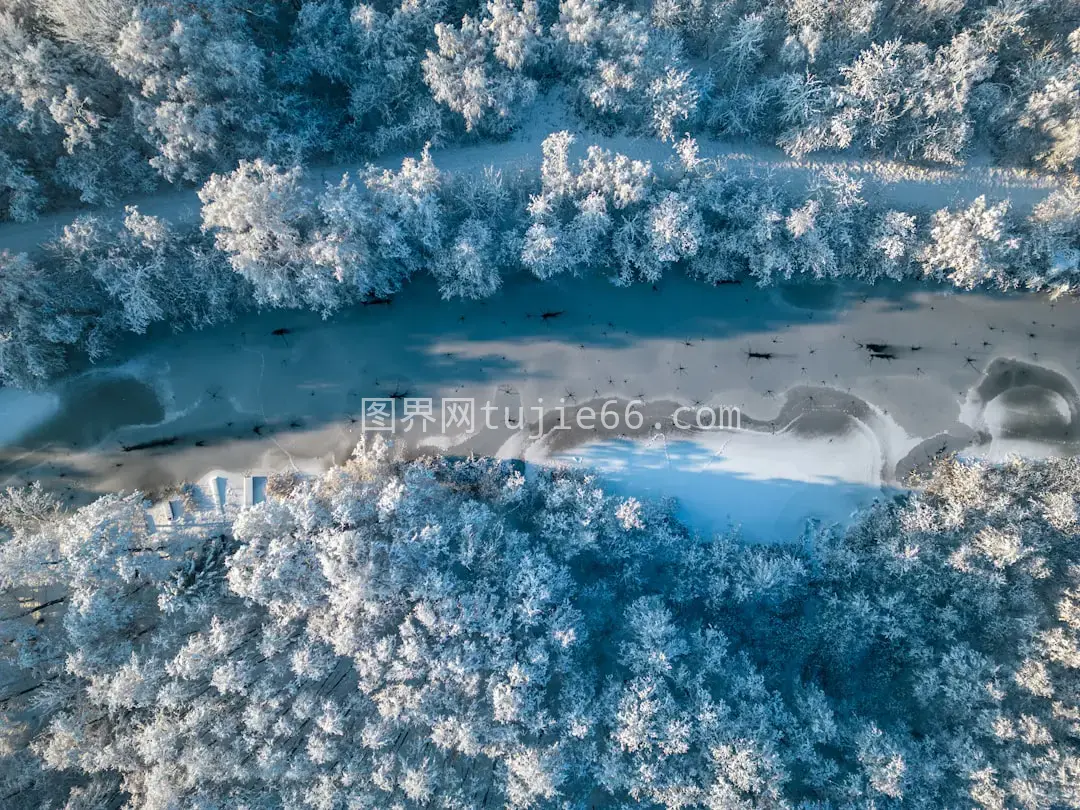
(840, 392)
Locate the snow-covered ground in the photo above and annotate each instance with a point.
(822, 417)
(901, 185)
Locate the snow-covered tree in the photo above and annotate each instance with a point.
(21, 197)
(409, 209)
(627, 73)
(1053, 244)
(32, 336)
(435, 632)
(469, 267)
(358, 70)
(972, 246)
(806, 111)
(321, 252)
(261, 217)
(573, 216)
(149, 272)
(669, 232)
(94, 23)
(64, 119)
(200, 91)
(893, 245)
(477, 69)
(744, 48)
(1050, 106)
(942, 105)
(876, 92)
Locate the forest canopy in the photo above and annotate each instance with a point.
(451, 634)
(100, 98)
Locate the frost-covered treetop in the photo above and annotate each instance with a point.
(455, 634)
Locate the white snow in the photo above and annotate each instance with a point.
(764, 486)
